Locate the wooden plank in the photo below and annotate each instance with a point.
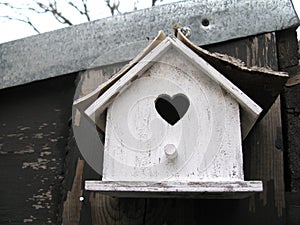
(106, 210)
(33, 136)
(287, 45)
(77, 212)
(288, 61)
(288, 56)
(218, 189)
(265, 162)
(263, 157)
(72, 205)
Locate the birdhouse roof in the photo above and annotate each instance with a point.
(97, 101)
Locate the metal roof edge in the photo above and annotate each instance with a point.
(121, 38)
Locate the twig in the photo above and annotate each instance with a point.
(27, 21)
(85, 12)
(113, 7)
(20, 8)
(52, 8)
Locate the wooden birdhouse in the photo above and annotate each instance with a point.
(174, 126)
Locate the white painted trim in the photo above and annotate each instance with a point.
(83, 103)
(173, 189)
(104, 100)
(248, 105)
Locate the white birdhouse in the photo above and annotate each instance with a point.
(174, 126)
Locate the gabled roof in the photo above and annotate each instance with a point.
(261, 84)
(109, 90)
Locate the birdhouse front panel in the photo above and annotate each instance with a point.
(173, 123)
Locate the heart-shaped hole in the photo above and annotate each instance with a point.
(172, 109)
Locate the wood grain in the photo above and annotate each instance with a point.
(72, 205)
(106, 210)
(33, 135)
(255, 51)
(288, 55)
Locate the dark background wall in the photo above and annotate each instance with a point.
(34, 132)
(289, 61)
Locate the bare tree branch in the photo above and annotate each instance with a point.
(52, 8)
(113, 6)
(27, 21)
(85, 12)
(20, 8)
(39, 6)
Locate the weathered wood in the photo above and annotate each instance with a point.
(264, 152)
(33, 134)
(293, 81)
(250, 110)
(288, 61)
(217, 189)
(261, 86)
(119, 211)
(265, 158)
(291, 112)
(288, 56)
(263, 149)
(72, 205)
(287, 45)
(76, 205)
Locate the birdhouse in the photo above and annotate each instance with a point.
(173, 125)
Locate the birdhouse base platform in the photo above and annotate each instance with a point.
(172, 189)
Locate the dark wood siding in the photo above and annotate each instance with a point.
(34, 133)
(288, 61)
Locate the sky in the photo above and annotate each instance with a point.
(12, 29)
